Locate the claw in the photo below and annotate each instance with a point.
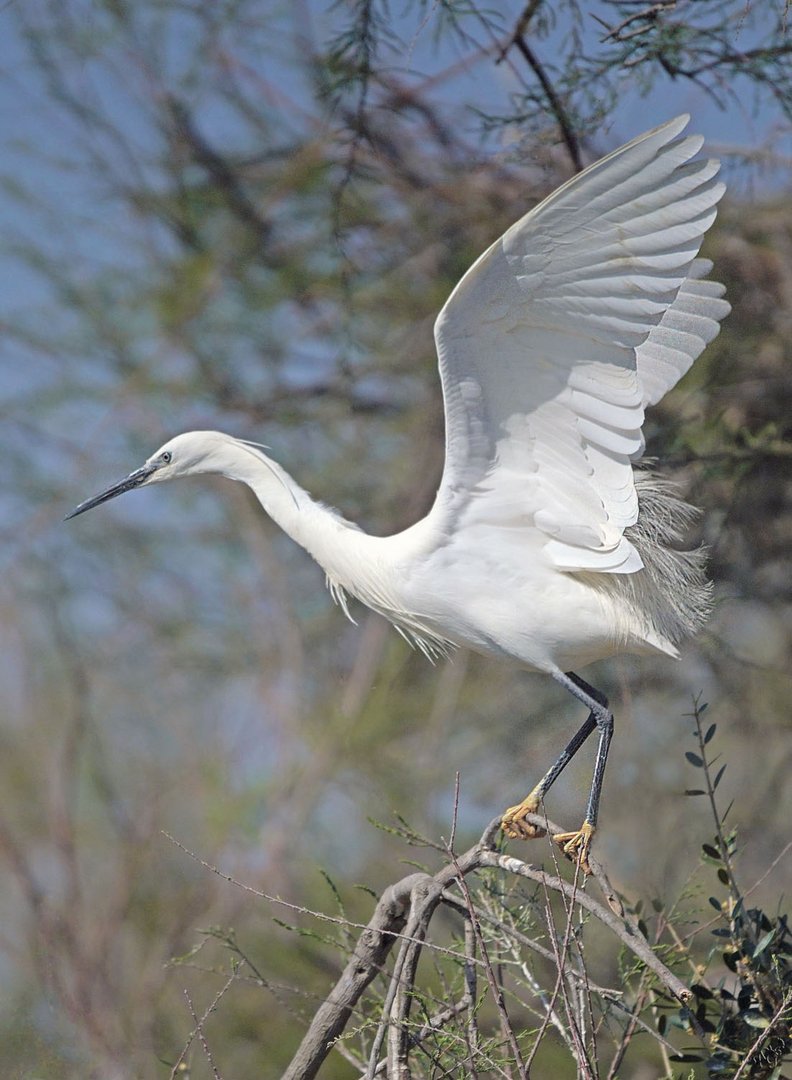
(514, 824)
(575, 845)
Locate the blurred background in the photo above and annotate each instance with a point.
(245, 215)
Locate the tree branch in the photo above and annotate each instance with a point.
(371, 951)
(553, 100)
(625, 928)
(221, 174)
(404, 913)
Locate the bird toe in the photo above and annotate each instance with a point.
(514, 824)
(576, 845)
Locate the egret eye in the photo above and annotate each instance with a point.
(166, 457)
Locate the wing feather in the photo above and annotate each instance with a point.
(583, 313)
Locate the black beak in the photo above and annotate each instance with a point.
(135, 479)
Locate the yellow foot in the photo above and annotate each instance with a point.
(576, 845)
(514, 824)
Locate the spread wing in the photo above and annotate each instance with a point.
(588, 309)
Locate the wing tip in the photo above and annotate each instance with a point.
(675, 126)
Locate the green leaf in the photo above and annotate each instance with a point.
(710, 733)
(763, 943)
(756, 1019)
(721, 771)
(713, 853)
(716, 903)
(694, 759)
(333, 888)
(723, 877)
(695, 791)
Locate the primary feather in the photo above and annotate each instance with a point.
(584, 312)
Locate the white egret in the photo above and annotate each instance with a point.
(544, 544)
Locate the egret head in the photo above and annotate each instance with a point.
(194, 452)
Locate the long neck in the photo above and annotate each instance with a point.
(369, 567)
(335, 543)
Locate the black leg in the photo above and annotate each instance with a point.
(565, 757)
(600, 717)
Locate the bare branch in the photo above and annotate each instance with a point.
(199, 1026)
(648, 14)
(494, 984)
(625, 928)
(371, 951)
(404, 913)
(555, 103)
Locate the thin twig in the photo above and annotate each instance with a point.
(560, 987)
(345, 923)
(471, 1029)
(554, 101)
(198, 1029)
(494, 985)
(565, 125)
(763, 1035)
(630, 935)
(455, 815)
(522, 939)
(649, 14)
(629, 1031)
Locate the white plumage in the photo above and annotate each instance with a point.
(544, 543)
(561, 333)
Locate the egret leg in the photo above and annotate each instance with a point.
(575, 844)
(513, 822)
